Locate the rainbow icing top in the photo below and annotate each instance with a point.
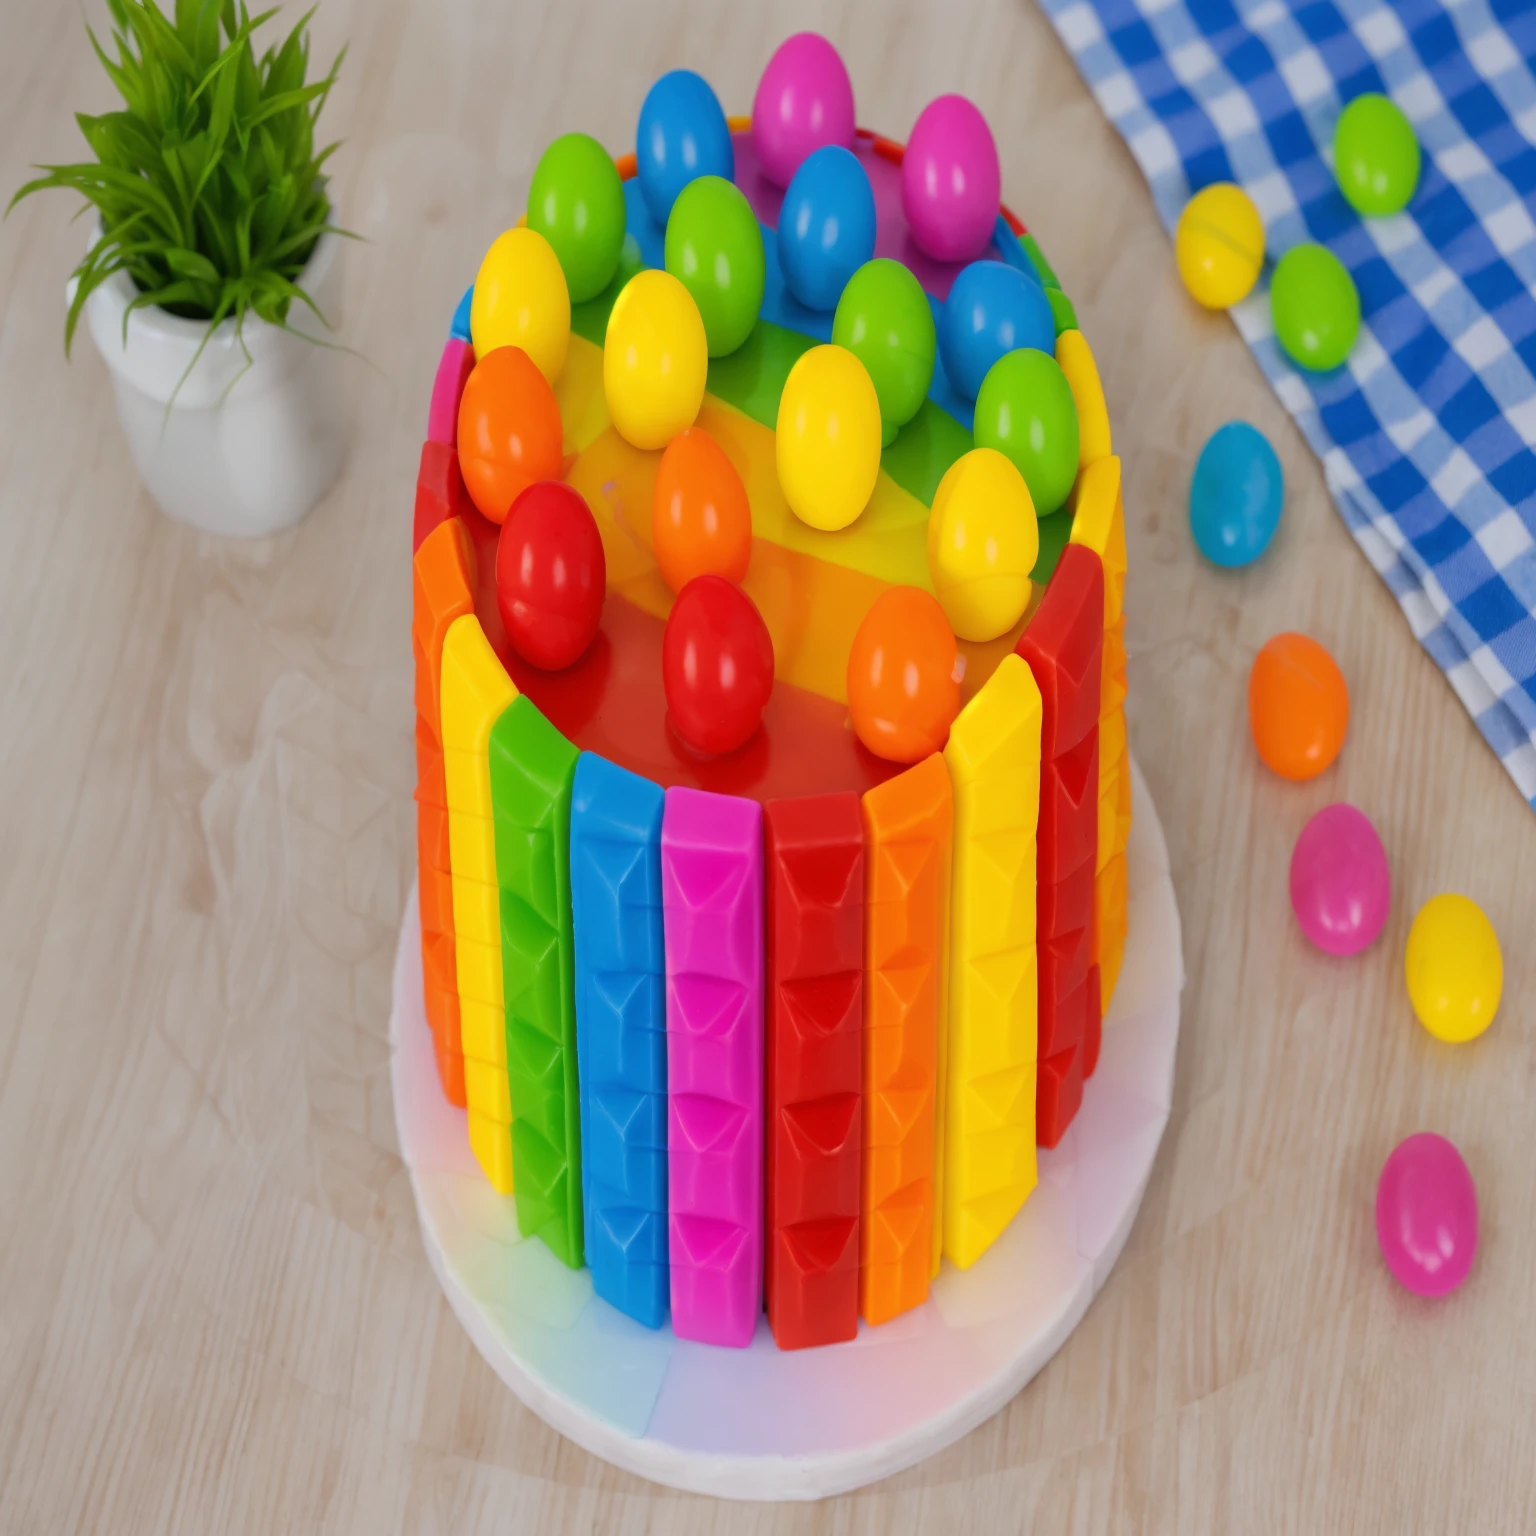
(646, 963)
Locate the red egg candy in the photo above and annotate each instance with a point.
(716, 665)
(550, 575)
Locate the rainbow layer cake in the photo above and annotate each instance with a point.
(773, 784)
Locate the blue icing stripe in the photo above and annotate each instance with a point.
(782, 308)
(621, 1034)
(1008, 249)
(461, 315)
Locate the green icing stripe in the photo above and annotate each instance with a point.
(752, 377)
(1062, 310)
(532, 766)
(1038, 261)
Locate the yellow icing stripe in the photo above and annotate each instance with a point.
(1098, 521)
(476, 689)
(888, 540)
(989, 1156)
(1076, 361)
(579, 394)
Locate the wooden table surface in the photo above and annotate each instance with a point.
(215, 1311)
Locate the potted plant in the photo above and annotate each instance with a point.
(211, 280)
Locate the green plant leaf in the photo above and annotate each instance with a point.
(207, 183)
(191, 264)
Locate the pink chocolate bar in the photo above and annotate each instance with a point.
(452, 370)
(712, 911)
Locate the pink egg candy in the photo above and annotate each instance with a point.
(951, 183)
(1341, 886)
(803, 101)
(1426, 1215)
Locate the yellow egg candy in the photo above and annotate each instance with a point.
(828, 439)
(521, 301)
(655, 360)
(1454, 967)
(1219, 245)
(983, 540)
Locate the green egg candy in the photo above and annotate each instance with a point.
(576, 201)
(714, 248)
(1375, 156)
(1316, 307)
(1025, 410)
(885, 320)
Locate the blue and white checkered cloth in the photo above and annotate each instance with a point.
(1428, 434)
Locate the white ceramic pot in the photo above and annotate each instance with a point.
(250, 443)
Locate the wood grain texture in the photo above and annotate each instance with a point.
(215, 1313)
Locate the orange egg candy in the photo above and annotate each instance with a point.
(509, 433)
(701, 520)
(903, 693)
(1298, 706)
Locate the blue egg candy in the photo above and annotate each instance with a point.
(1236, 495)
(826, 226)
(682, 135)
(992, 309)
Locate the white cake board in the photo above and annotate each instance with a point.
(761, 1423)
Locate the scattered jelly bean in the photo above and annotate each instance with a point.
(1219, 245)
(992, 309)
(885, 320)
(1236, 495)
(1454, 967)
(826, 226)
(509, 432)
(682, 134)
(1426, 1215)
(550, 575)
(803, 102)
(1375, 156)
(983, 540)
(1025, 410)
(716, 665)
(827, 446)
(903, 693)
(1316, 307)
(951, 182)
(701, 522)
(655, 360)
(576, 201)
(521, 300)
(1298, 706)
(1341, 886)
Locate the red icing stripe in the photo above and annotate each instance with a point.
(814, 1080)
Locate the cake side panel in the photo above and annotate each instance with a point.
(907, 831)
(531, 768)
(994, 761)
(1098, 522)
(712, 904)
(814, 851)
(475, 691)
(442, 590)
(1063, 647)
(621, 1037)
